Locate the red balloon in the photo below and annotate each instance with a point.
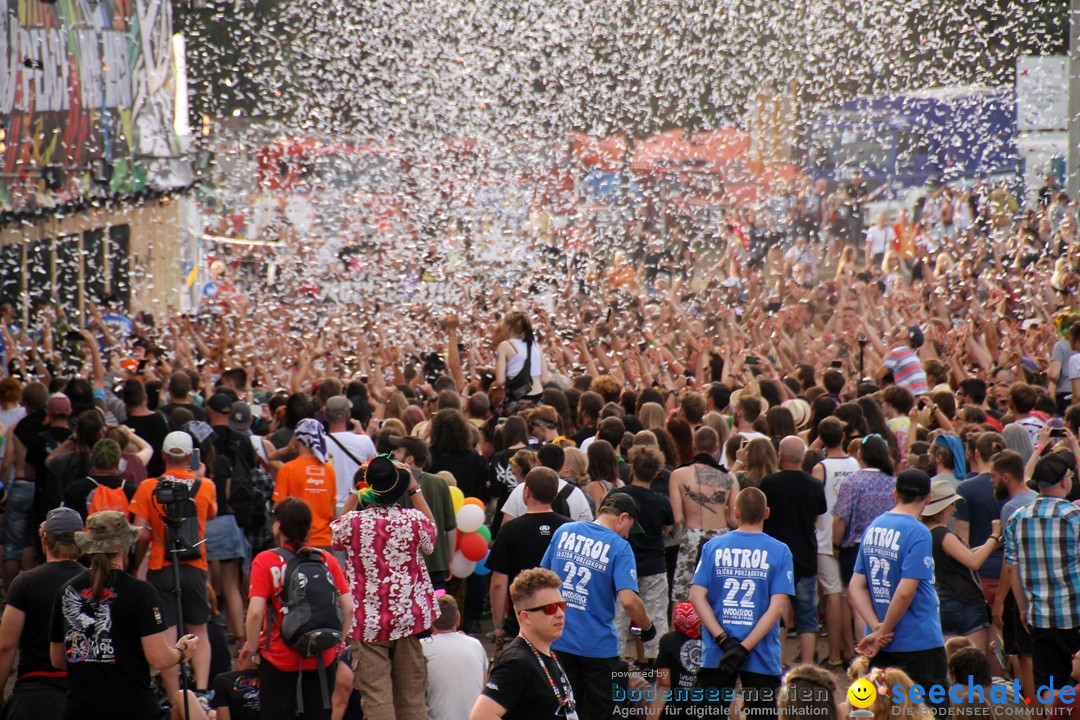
(473, 546)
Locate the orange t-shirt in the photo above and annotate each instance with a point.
(143, 505)
(316, 484)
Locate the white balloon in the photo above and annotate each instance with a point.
(470, 518)
(461, 566)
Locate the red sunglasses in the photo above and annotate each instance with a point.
(549, 609)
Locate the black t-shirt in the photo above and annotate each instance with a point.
(518, 683)
(681, 657)
(234, 452)
(582, 435)
(77, 494)
(237, 690)
(196, 410)
(795, 501)
(108, 675)
(648, 546)
(468, 468)
(33, 592)
(952, 579)
(152, 428)
(662, 481)
(500, 476)
(39, 447)
(520, 545)
(29, 426)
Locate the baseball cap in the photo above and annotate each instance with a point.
(913, 482)
(58, 405)
(240, 417)
(339, 404)
(623, 503)
(413, 446)
(220, 403)
(63, 520)
(915, 337)
(942, 496)
(1051, 468)
(177, 444)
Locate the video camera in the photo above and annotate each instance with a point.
(169, 492)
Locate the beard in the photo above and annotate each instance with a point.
(1001, 492)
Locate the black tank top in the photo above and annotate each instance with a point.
(954, 581)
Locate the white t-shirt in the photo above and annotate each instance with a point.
(455, 665)
(1073, 367)
(749, 435)
(880, 239)
(579, 504)
(344, 466)
(836, 471)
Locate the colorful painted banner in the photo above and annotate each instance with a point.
(86, 101)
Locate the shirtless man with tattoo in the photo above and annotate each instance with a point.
(703, 502)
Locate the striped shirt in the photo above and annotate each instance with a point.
(906, 369)
(1043, 540)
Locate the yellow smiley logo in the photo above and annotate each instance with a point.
(861, 694)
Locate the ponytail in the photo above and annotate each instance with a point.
(101, 571)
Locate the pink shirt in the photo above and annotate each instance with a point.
(385, 568)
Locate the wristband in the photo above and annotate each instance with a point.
(1039, 447)
(179, 660)
(416, 491)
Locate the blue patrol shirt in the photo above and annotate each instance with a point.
(595, 564)
(741, 571)
(898, 547)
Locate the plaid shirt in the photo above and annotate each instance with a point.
(1043, 540)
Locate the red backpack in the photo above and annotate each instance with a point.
(106, 498)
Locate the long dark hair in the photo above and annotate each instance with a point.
(873, 452)
(450, 433)
(603, 464)
(101, 573)
(822, 407)
(683, 436)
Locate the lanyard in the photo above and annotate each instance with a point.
(564, 701)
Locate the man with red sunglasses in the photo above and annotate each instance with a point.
(528, 681)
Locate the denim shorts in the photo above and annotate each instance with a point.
(959, 618)
(806, 604)
(20, 501)
(225, 540)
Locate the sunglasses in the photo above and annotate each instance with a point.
(549, 609)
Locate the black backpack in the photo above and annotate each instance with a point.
(247, 503)
(311, 618)
(561, 503)
(189, 533)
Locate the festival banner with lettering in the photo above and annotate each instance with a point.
(86, 101)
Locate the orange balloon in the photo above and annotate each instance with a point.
(477, 502)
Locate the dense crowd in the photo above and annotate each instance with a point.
(789, 417)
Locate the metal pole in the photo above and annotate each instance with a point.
(1072, 182)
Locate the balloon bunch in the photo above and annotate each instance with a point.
(473, 536)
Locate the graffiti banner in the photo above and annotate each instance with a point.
(86, 101)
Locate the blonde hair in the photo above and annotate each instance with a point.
(652, 416)
(717, 422)
(448, 477)
(884, 708)
(577, 463)
(396, 405)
